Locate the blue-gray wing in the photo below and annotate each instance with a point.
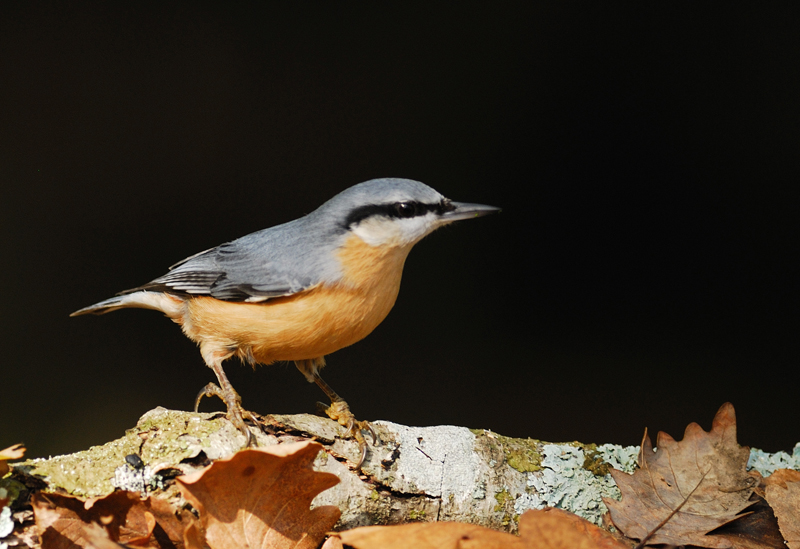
(271, 263)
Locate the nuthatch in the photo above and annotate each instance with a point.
(301, 290)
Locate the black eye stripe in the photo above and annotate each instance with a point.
(406, 209)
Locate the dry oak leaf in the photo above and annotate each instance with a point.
(755, 529)
(785, 503)
(685, 489)
(97, 538)
(430, 535)
(553, 528)
(12, 452)
(538, 529)
(333, 542)
(62, 520)
(260, 498)
(781, 477)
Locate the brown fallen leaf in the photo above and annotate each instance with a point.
(538, 529)
(781, 477)
(333, 542)
(785, 502)
(430, 535)
(6, 454)
(756, 529)
(558, 529)
(61, 518)
(97, 538)
(170, 524)
(127, 519)
(260, 498)
(685, 489)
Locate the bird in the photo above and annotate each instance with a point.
(298, 291)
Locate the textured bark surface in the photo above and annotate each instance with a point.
(412, 473)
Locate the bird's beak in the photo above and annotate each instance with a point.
(462, 210)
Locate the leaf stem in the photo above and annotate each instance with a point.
(661, 524)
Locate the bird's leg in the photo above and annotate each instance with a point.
(340, 411)
(229, 396)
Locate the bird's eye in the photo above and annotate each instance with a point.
(405, 209)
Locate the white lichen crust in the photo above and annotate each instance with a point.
(766, 463)
(563, 482)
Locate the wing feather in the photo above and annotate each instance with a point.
(271, 263)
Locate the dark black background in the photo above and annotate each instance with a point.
(643, 271)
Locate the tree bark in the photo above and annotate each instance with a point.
(411, 474)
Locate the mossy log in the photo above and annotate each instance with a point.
(412, 473)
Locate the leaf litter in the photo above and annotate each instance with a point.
(260, 498)
(685, 489)
(784, 498)
(538, 529)
(695, 492)
(257, 498)
(62, 520)
(6, 454)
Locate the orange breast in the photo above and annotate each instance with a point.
(310, 324)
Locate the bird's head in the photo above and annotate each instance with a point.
(397, 212)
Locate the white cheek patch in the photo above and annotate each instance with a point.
(393, 231)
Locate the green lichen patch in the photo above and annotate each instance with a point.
(505, 505)
(521, 454)
(10, 490)
(593, 461)
(502, 497)
(87, 473)
(162, 438)
(599, 460)
(524, 457)
(417, 514)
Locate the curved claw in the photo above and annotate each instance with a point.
(235, 411)
(340, 412)
(372, 432)
(249, 415)
(250, 440)
(358, 427)
(363, 447)
(354, 429)
(212, 389)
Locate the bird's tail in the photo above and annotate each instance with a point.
(168, 304)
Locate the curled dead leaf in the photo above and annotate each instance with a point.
(785, 503)
(260, 498)
(12, 452)
(781, 477)
(430, 535)
(539, 529)
(126, 518)
(558, 529)
(685, 489)
(97, 538)
(333, 542)
(755, 529)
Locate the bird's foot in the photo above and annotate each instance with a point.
(339, 411)
(235, 414)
